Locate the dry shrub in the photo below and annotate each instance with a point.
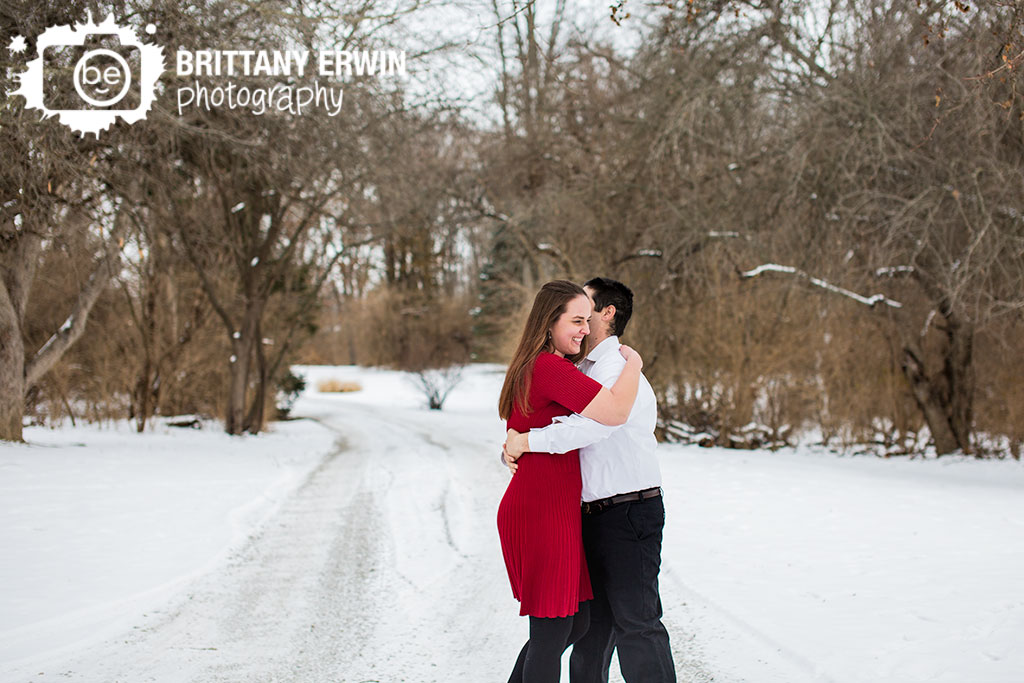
(735, 368)
(95, 379)
(744, 365)
(999, 398)
(504, 344)
(436, 384)
(92, 381)
(401, 330)
(863, 397)
(749, 364)
(337, 386)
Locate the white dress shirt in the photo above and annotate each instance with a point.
(613, 460)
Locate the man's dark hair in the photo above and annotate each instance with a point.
(608, 292)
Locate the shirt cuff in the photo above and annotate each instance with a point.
(539, 441)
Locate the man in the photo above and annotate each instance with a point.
(623, 512)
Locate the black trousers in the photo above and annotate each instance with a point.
(623, 548)
(540, 660)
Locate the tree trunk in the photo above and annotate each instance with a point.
(141, 409)
(959, 372)
(946, 398)
(933, 401)
(142, 405)
(256, 418)
(242, 349)
(12, 370)
(235, 421)
(17, 269)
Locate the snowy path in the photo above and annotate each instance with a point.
(333, 587)
(383, 566)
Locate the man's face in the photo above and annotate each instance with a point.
(596, 325)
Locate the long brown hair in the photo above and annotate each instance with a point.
(548, 305)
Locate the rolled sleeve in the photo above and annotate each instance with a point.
(568, 433)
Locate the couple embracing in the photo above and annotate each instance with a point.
(581, 521)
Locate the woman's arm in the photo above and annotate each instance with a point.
(612, 406)
(561, 436)
(569, 432)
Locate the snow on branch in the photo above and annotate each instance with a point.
(817, 282)
(893, 271)
(552, 250)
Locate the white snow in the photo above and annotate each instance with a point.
(777, 567)
(98, 524)
(893, 271)
(851, 569)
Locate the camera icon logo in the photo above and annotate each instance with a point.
(102, 80)
(112, 75)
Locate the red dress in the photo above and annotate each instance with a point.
(539, 516)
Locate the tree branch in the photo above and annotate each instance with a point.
(871, 301)
(74, 326)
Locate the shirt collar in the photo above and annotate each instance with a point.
(608, 345)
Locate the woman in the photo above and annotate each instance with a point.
(539, 516)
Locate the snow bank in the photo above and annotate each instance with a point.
(848, 569)
(97, 524)
(476, 392)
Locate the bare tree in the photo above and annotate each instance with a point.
(48, 184)
(914, 167)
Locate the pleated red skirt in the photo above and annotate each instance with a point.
(541, 540)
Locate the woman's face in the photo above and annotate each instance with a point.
(572, 326)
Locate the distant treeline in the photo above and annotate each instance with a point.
(819, 207)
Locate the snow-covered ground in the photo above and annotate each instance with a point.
(360, 545)
(99, 524)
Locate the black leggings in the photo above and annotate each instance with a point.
(540, 660)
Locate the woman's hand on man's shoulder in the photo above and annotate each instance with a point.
(630, 354)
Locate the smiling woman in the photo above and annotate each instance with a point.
(571, 328)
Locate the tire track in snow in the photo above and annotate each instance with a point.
(806, 669)
(281, 607)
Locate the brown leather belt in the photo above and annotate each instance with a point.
(596, 506)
